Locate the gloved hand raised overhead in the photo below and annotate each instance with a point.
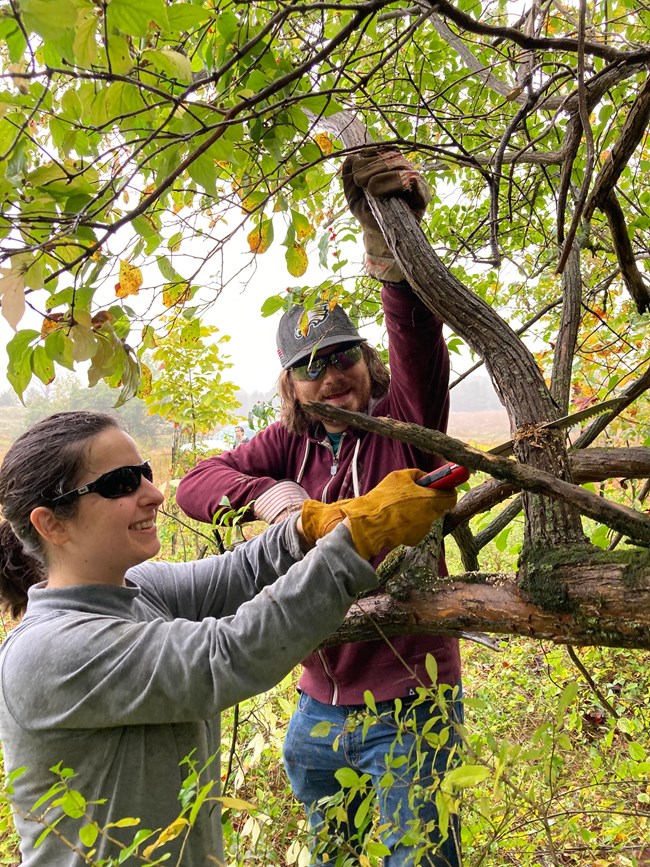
(383, 173)
(396, 512)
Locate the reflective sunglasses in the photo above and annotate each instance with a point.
(115, 483)
(342, 359)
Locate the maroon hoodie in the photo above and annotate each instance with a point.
(419, 366)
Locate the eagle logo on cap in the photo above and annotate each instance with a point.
(315, 317)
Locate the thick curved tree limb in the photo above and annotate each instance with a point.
(604, 604)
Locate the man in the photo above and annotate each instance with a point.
(325, 359)
(240, 437)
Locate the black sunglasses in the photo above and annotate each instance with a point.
(342, 359)
(115, 483)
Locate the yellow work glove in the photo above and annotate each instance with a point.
(318, 519)
(396, 512)
(383, 172)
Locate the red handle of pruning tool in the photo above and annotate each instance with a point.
(445, 477)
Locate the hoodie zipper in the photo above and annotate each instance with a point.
(334, 468)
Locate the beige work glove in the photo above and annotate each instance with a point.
(396, 512)
(383, 173)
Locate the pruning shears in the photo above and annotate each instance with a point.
(451, 475)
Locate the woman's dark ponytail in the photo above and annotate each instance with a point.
(18, 571)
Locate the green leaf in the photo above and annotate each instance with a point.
(169, 63)
(167, 270)
(145, 226)
(14, 39)
(119, 54)
(321, 730)
(636, 751)
(19, 352)
(501, 539)
(369, 699)
(59, 348)
(272, 305)
(600, 537)
(466, 776)
(348, 778)
(122, 98)
(377, 849)
(568, 696)
(88, 834)
(84, 44)
(136, 18)
(431, 667)
(84, 342)
(361, 814)
(38, 17)
(73, 804)
(130, 380)
(42, 365)
(227, 25)
(185, 16)
(203, 171)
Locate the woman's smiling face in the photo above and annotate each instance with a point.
(108, 536)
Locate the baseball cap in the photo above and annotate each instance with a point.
(324, 327)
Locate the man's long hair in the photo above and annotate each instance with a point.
(294, 417)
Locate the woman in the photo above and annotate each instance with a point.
(119, 668)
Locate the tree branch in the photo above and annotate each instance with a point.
(597, 49)
(537, 481)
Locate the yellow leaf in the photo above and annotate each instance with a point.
(12, 295)
(146, 380)
(169, 833)
(130, 280)
(260, 239)
(235, 803)
(175, 293)
(296, 260)
(20, 81)
(324, 142)
(50, 323)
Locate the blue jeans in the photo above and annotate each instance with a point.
(394, 763)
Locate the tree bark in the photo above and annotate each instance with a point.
(603, 604)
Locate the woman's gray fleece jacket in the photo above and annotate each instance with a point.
(121, 684)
